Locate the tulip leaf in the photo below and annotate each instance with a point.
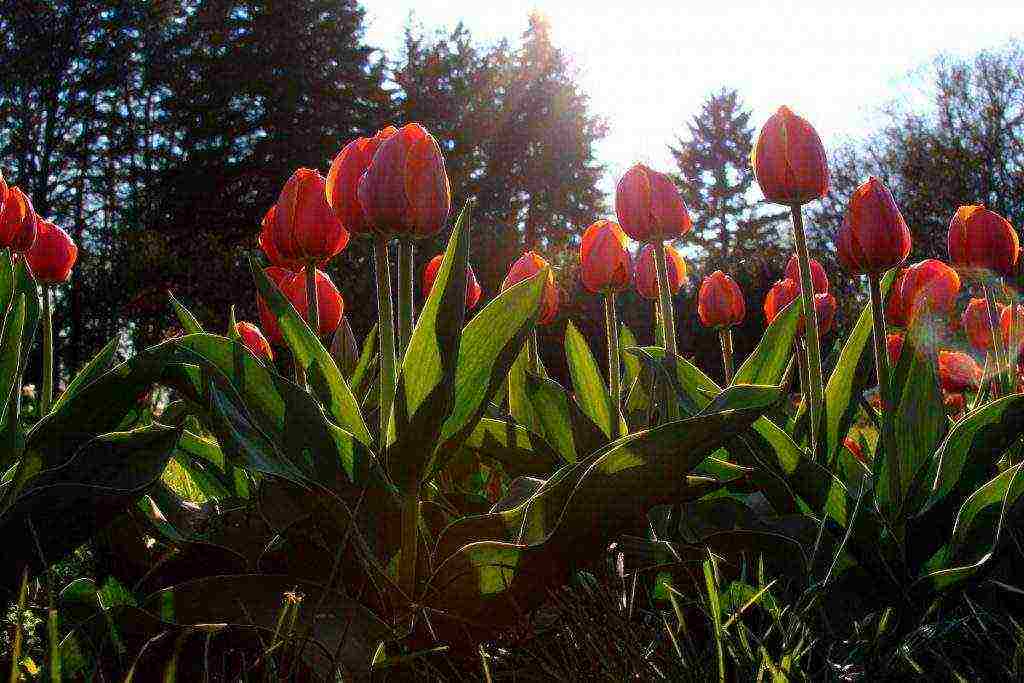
(518, 450)
(10, 358)
(562, 422)
(519, 405)
(92, 370)
(188, 321)
(587, 383)
(366, 357)
(767, 363)
(25, 283)
(321, 371)
(425, 393)
(233, 326)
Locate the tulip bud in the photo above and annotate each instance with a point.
(528, 265)
(929, 286)
(958, 371)
(649, 206)
(473, 290)
(873, 237)
(330, 305)
(789, 160)
(819, 280)
(605, 261)
(268, 321)
(720, 301)
(977, 325)
(1005, 313)
(304, 228)
(17, 222)
(254, 340)
(52, 255)
(981, 240)
(343, 180)
(854, 449)
(895, 309)
(894, 347)
(266, 243)
(405, 190)
(824, 312)
(645, 272)
(782, 293)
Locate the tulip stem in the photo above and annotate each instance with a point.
(997, 342)
(667, 317)
(814, 387)
(611, 323)
(801, 361)
(405, 293)
(725, 337)
(47, 398)
(386, 334)
(888, 435)
(410, 541)
(659, 327)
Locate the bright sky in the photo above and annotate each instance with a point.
(648, 64)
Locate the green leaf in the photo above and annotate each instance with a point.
(519, 405)
(232, 326)
(518, 451)
(189, 322)
(561, 421)
(366, 357)
(88, 374)
(25, 283)
(10, 358)
(321, 372)
(768, 361)
(587, 383)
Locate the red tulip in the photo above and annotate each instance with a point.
(342, 190)
(982, 240)
(528, 265)
(605, 261)
(895, 309)
(854, 449)
(405, 190)
(958, 371)
(782, 293)
(789, 160)
(824, 312)
(1004, 324)
(17, 222)
(52, 255)
(976, 324)
(645, 274)
(873, 237)
(720, 301)
(304, 228)
(473, 290)
(278, 276)
(954, 403)
(894, 347)
(649, 206)
(254, 340)
(330, 306)
(266, 243)
(819, 280)
(928, 287)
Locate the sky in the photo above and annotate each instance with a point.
(648, 65)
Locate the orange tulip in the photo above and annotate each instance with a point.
(52, 255)
(894, 347)
(720, 301)
(304, 229)
(1004, 324)
(254, 340)
(268, 321)
(405, 190)
(873, 237)
(782, 293)
(528, 265)
(976, 324)
(929, 286)
(342, 189)
(895, 309)
(789, 160)
(645, 273)
(17, 222)
(981, 240)
(649, 206)
(473, 290)
(958, 371)
(266, 243)
(605, 261)
(819, 280)
(330, 306)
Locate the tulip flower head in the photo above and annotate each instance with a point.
(268, 321)
(528, 265)
(52, 255)
(977, 325)
(605, 261)
(855, 449)
(473, 290)
(928, 287)
(645, 273)
(304, 228)
(1005, 313)
(342, 190)
(873, 237)
(782, 293)
(958, 371)
(894, 347)
(824, 312)
(895, 308)
(17, 222)
(720, 301)
(789, 160)
(330, 305)
(954, 403)
(266, 243)
(649, 207)
(982, 241)
(254, 340)
(819, 280)
(405, 190)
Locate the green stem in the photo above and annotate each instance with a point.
(47, 399)
(385, 334)
(533, 351)
(659, 327)
(614, 387)
(888, 435)
(667, 317)
(801, 360)
(997, 341)
(405, 293)
(810, 327)
(725, 337)
(410, 541)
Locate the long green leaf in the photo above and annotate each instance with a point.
(561, 421)
(587, 383)
(767, 363)
(88, 374)
(188, 321)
